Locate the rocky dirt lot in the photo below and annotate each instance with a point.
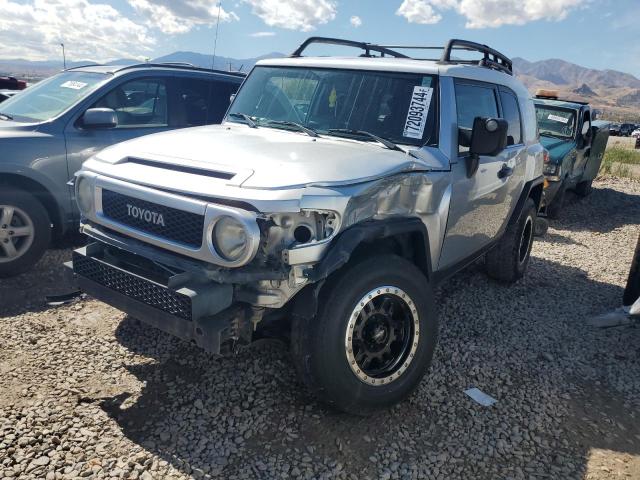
(87, 392)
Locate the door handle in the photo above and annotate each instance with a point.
(505, 171)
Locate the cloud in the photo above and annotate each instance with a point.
(96, 31)
(180, 16)
(488, 13)
(303, 15)
(355, 21)
(419, 11)
(262, 34)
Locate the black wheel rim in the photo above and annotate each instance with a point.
(526, 240)
(382, 335)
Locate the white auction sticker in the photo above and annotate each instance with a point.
(418, 111)
(558, 118)
(74, 85)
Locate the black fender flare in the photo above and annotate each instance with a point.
(346, 243)
(524, 196)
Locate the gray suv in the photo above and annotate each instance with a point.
(333, 198)
(49, 129)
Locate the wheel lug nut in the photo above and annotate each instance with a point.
(4, 226)
(6, 240)
(11, 232)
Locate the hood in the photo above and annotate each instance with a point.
(9, 128)
(263, 158)
(558, 148)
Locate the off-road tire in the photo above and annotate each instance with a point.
(585, 188)
(508, 260)
(319, 344)
(554, 209)
(39, 217)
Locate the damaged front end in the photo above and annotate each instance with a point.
(197, 292)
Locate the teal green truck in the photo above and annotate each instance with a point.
(575, 142)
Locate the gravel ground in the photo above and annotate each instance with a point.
(88, 392)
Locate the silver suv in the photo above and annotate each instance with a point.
(334, 197)
(49, 129)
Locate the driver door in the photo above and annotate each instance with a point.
(141, 107)
(481, 204)
(583, 140)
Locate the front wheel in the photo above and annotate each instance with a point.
(373, 338)
(584, 188)
(554, 209)
(25, 231)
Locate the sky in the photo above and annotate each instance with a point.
(602, 34)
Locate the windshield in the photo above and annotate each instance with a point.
(556, 121)
(50, 97)
(395, 106)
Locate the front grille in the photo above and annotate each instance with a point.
(159, 220)
(132, 286)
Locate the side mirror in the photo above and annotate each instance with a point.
(488, 137)
(100, 118)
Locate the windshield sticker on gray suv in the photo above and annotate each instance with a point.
(557, 118)
(74, 85)
(418, 111)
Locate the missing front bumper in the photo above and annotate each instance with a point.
(194, 310)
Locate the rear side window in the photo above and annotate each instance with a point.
(511, 113)
(200, 101)
(473, 100)
(191, 102)
(219, 99)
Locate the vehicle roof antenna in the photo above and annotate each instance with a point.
(215, 41)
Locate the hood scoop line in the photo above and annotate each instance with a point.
(182, 168)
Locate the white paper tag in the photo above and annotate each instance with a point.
(418, 111)
(557, 118)
(480, 397)
(73, 85)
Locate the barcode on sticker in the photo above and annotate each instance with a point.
(557, 118)
(73, 85)
(418, 111)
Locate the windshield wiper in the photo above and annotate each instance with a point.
(382, 141)
(554, 135)
(244, 117)
(309, 131)
(5, 116)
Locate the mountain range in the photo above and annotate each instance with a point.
(615, 94)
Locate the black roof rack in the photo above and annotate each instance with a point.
(367, 47)
(492, 58)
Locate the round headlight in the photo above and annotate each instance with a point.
(230, 238)
(84, 195)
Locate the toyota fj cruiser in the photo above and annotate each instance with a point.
(335, 195)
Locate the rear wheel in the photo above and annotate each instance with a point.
(373, 338)
(25, 231)
(508, 260)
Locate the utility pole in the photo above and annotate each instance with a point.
(215, 41)
(64, 57)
